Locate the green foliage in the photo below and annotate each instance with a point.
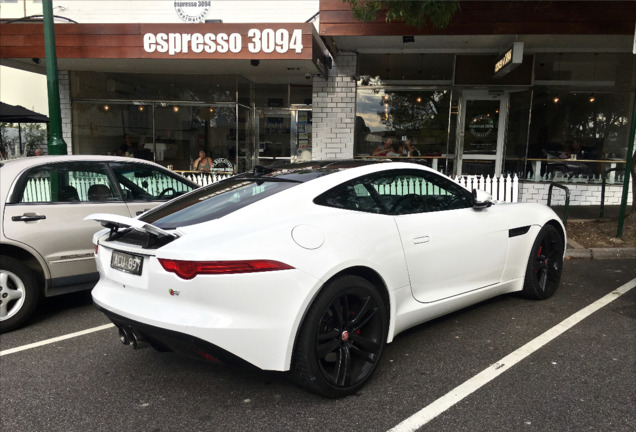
(33, 136)
(416, 13)
(410, 115)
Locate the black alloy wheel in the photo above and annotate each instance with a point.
(342, 338)
(545, 265)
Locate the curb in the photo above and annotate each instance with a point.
(600, 253)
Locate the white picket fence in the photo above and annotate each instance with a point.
(502, 188)
(204, 179)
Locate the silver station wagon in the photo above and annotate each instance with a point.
(45, 243)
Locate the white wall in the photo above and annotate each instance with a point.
(23, 88)
(580, 194)
(334, 111)
(163, 11)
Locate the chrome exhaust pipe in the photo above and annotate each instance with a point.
(136, 341)
(124, 335)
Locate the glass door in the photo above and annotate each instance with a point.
(274, 134)
(481, 133)
(301, 134)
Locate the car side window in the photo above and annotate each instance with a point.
(398, 192)
(142, 182)
(67, 182)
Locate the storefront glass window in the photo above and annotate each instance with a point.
(169, 87)
(271, 95)
(517, 133)
(600, 70)
(300, 95)
(168, 133)
(410, 67)
(419, 115)
(101, 127)
(578, 135)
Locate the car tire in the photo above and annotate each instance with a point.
(545, 264)
(341, 339)
(19, 294)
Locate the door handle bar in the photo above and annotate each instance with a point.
(27, 218)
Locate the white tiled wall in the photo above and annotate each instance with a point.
(580, 194)
(334, 111)
(65, 108)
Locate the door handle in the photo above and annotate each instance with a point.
(420, 240)
(27, 218)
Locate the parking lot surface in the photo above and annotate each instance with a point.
(583, 379)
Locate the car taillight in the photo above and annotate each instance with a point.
(190, 269)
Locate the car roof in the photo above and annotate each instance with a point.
(305, 171)
(10, 169)
(27, 162)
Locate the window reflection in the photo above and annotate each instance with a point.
(419, 115)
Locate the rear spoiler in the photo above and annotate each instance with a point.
(115, 222)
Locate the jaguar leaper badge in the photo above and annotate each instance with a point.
(192, 11)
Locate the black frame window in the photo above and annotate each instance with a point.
(398, 192)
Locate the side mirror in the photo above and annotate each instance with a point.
(481, 199)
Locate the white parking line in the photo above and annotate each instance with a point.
(428, 413)
(55, 339)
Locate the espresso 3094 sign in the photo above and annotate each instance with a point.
(267, 41)
(192, 11)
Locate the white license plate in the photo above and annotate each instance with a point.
(126, 262)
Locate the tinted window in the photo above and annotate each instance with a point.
(148, 183)
(214, 201)
(66, 182)
(398, 192)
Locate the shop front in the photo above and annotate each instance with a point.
(557, 115)
(538, 91)
(170, 119)
(241, 93)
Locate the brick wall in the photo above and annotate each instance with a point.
(65, 108)
(334, 110)
(580, 194)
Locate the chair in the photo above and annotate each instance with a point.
(99, 192)
(68, 193)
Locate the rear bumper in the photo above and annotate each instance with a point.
(168, 340)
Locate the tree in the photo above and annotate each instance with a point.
(416, 13)
(33, 136)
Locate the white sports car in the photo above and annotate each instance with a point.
(314, 267)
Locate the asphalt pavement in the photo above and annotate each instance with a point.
(584, 379)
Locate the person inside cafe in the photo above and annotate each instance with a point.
(125, 147)
(203, 163)
(386, 149)
(408, 149)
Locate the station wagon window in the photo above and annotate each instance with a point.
(397, 193)
(145, 182)
(68, 182)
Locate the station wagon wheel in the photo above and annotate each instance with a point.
(545, 264)
(342, 338)
(19, 294)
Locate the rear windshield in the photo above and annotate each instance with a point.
(215, 201)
